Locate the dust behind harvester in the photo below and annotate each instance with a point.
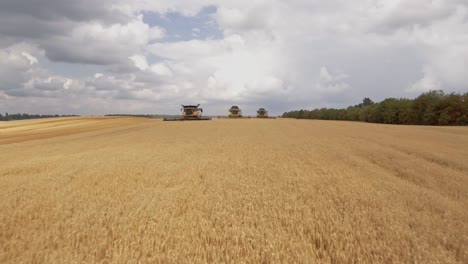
(190, 113)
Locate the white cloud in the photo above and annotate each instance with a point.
(31, 58)
(140, 61)
(427, 82)
(234, 67)
(3, 96)
(325, 76)
(161, 69)
(15, 67)
(96, 43)
(328, 83)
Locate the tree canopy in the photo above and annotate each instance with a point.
(430, 108)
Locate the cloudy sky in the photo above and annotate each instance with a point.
(150, 56)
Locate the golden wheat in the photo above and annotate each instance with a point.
(131, 190)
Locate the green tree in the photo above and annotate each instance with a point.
(423, 108)
(430, 108)
(449, 110)
(367, 101)
(300, 115)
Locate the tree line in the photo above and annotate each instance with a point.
(8, 117)
(431, 108)
(142, 115)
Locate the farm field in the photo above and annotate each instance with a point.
(135, 190)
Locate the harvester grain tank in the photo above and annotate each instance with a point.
(235, 112)
(190, 113)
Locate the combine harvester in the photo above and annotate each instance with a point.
(190, 113)
(263, 113)
(236, 112)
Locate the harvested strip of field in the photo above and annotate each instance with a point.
(139, 190)
(19, 131)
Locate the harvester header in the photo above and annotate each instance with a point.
(190, 113)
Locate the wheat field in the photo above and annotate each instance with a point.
(135, 190)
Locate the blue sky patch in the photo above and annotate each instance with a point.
(179, 27)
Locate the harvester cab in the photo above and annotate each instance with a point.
(190, 113)
(235, 111)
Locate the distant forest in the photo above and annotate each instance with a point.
(133, 115)
(8, 117)
(434, 108)
(19, 116)
(142, 115)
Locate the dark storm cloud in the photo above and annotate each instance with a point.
(59, 10)
(52, 26)
(24, 27)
